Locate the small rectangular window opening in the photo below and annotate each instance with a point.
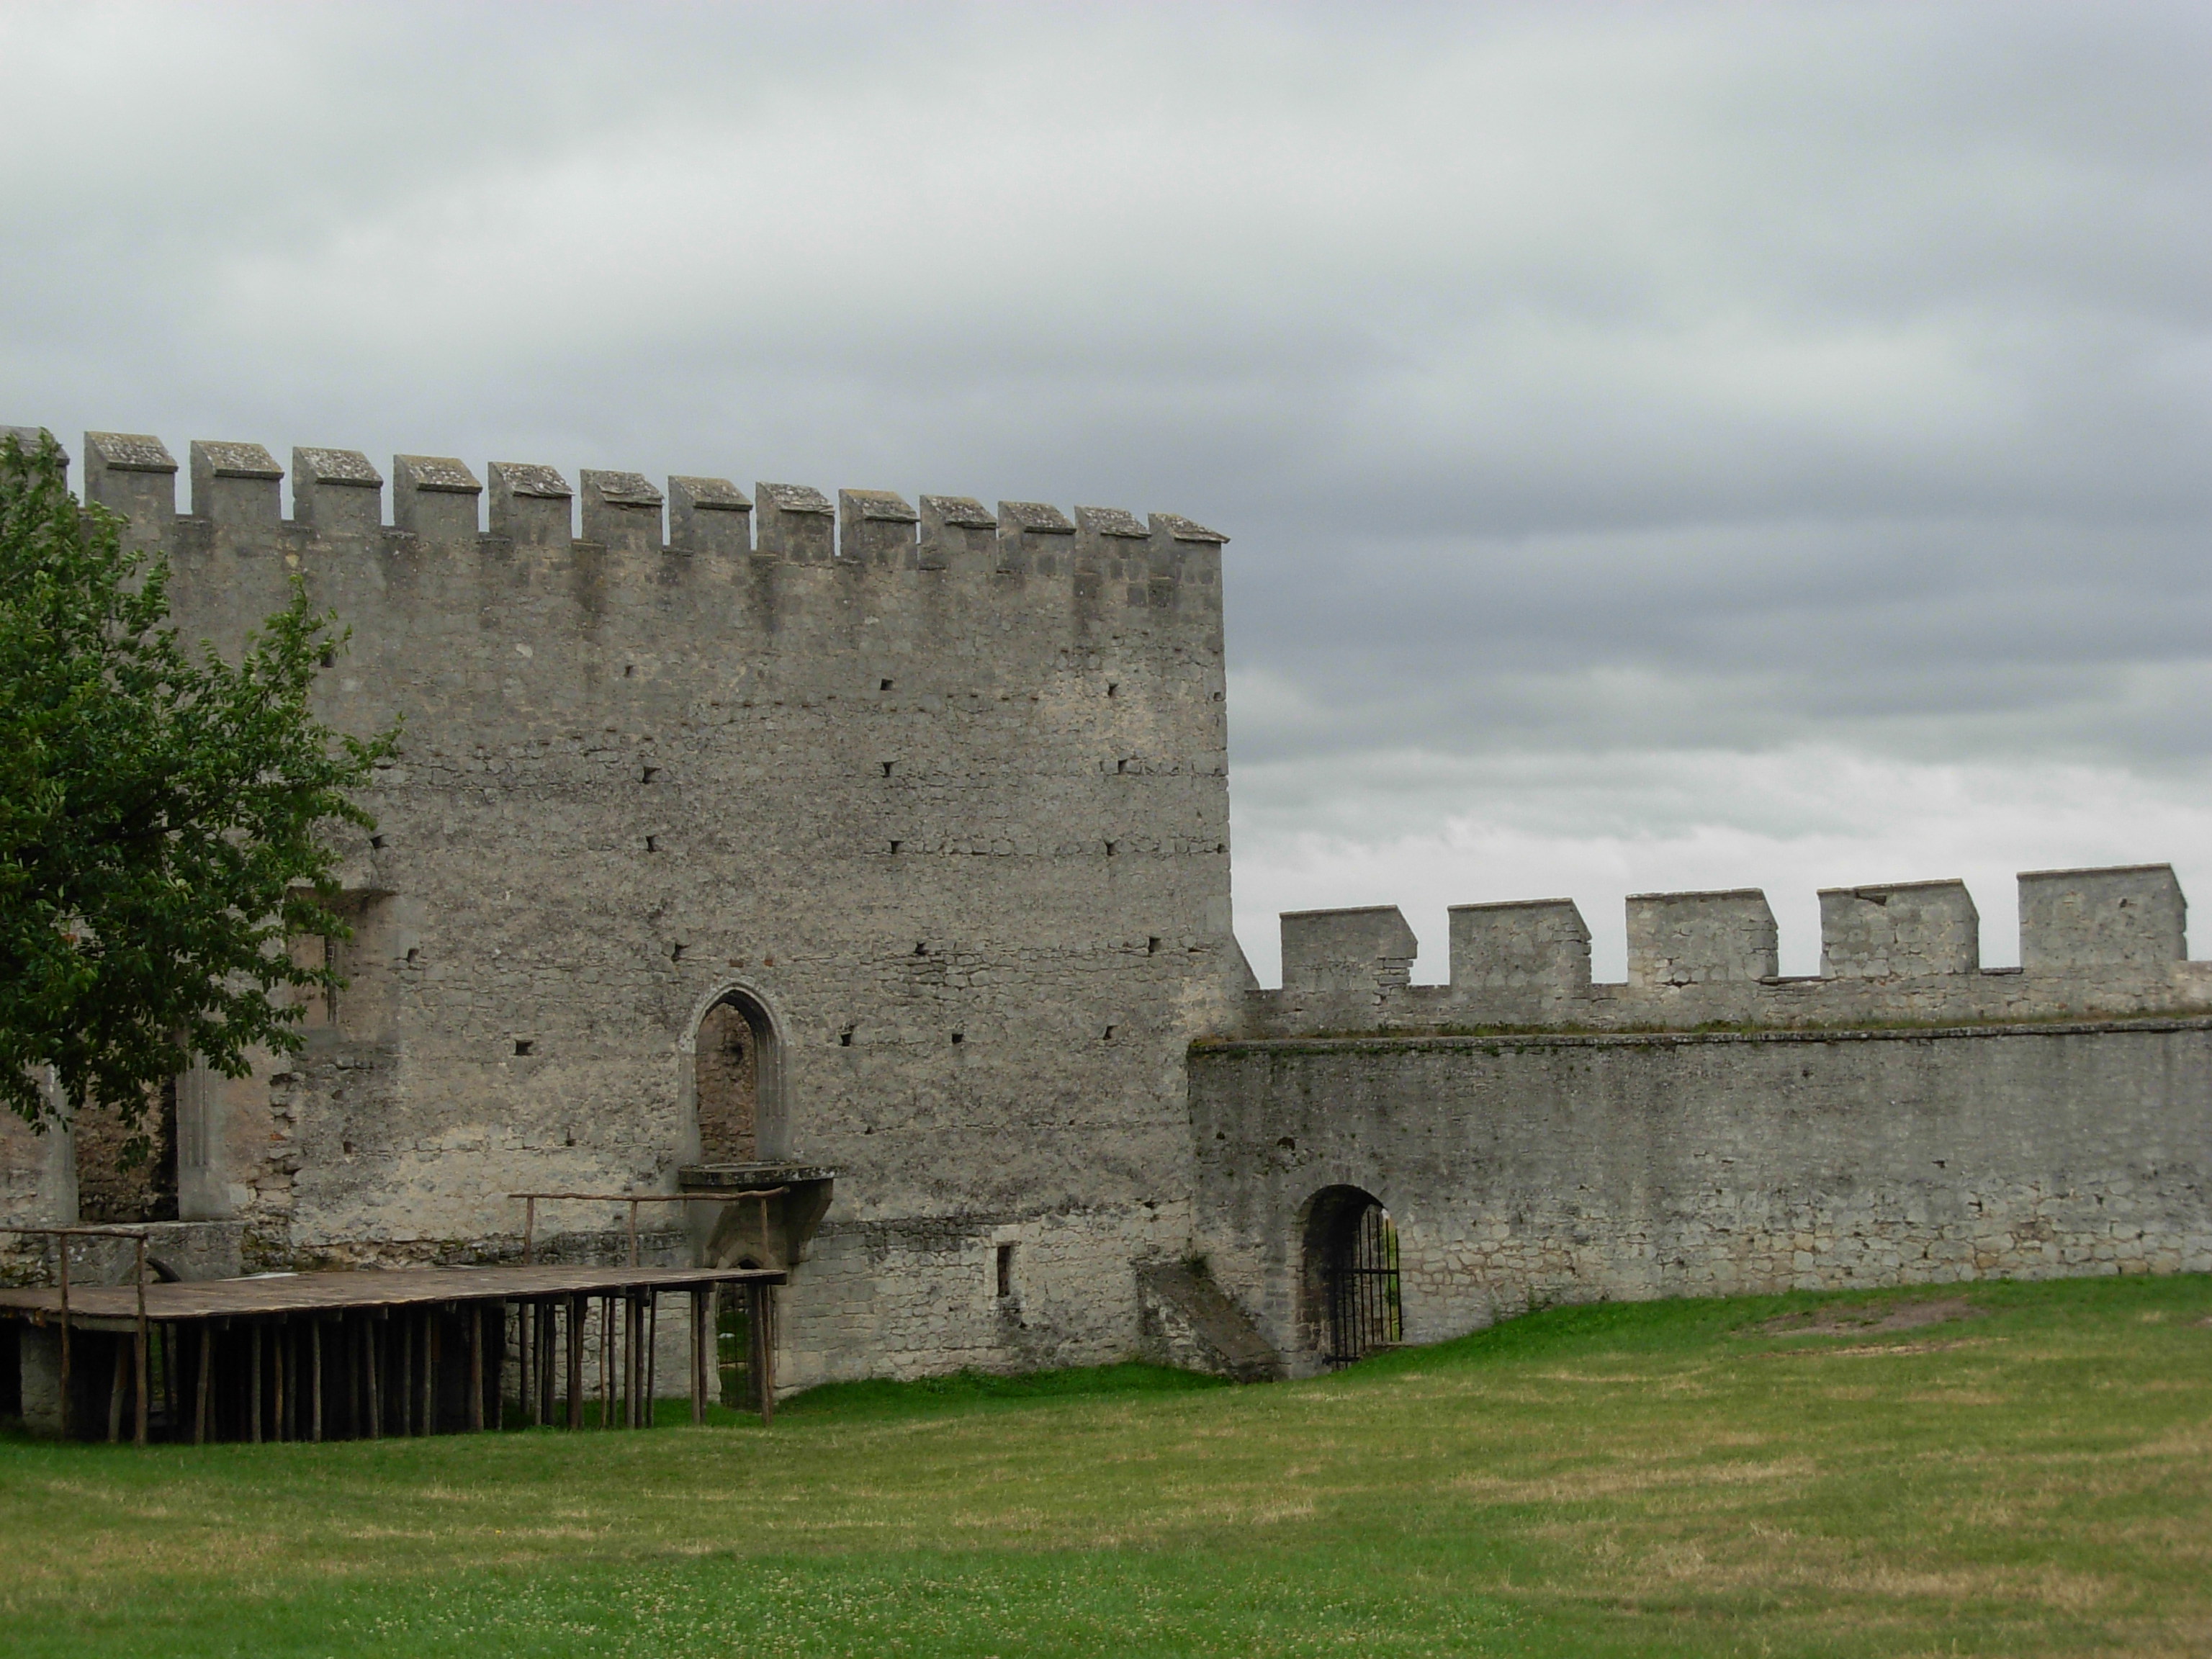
(845, 1038)
(1005, 1271)
(1111, 688)
(1108, 1037)
(959, 1037)
(526, 1046)
(653, 843)
(896, 845)
(886, 686)
(1152, 947)
(648, 773)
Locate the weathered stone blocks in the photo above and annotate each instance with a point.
(336, 492)
(1366, 950)
(797, 523)
(133, 475)
(2130, 916)
(237, 485)
(1700, 938)
(709, 516)
(622, 511)
(435, 497)
(1537, 945)
(877, 526)
(1908, 928)
(531, 504)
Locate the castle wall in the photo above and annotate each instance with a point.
(943, 788)
(1523, 1170)
(941, 792)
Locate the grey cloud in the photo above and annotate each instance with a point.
(1584, 387)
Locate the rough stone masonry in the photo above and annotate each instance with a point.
(877, 853)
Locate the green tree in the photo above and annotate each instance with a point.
(163, 815)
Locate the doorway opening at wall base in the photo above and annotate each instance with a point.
(1361, 1310)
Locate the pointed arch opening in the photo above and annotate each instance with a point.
(737, 1081)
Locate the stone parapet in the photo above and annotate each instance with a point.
(2093, 942)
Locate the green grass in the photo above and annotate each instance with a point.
(1667, 1478)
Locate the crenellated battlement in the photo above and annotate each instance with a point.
(2102, 941)
(1105, 555)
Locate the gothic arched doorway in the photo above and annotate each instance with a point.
(1352, 1304)
(733, 1082)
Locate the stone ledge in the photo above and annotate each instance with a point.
(1493, 1043)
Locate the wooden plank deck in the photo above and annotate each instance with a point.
(273, 1295)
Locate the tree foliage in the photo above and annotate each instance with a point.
(164, 815)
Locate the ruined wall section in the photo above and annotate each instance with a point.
(943, 787)
(2105, 942)
(1522, 1171)
(38, 1188)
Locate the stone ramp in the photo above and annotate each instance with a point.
(1189, 1321)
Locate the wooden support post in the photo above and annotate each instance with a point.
(373, 1343)
(138, 1428)
(406, 1378)
(255, 1401)
(116, 1385)
(575, 1362)
(429, 1416)
(283, 1345)
(607, 1346)
(761, 1347)
(62, 1246)
(529, 1231)
(527, 1355)
(698, 1358)
(315, 1378)
(549, 1315)
(634, 1321)
(201, 1395)
(476, 1366)
(652, 1337)
(633, 1232)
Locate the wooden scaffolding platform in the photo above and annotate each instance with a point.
(362, 1354)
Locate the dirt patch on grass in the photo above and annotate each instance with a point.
(1884, 1349)
(1863, 1319)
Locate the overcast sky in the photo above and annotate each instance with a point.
(1666, 446)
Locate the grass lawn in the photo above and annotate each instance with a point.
(2030, 1474)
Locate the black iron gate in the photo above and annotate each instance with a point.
(1359, 1280)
